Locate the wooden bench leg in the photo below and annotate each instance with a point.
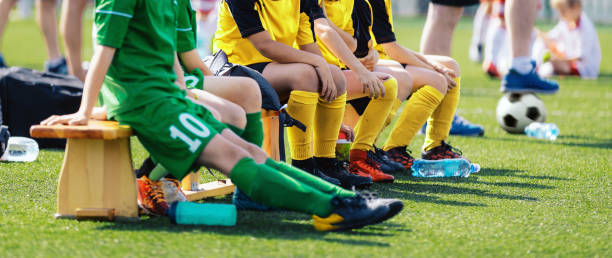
(97, 174)
(270, 143)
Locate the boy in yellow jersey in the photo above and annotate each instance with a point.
(436, 85)
(344, 18)
(261, 34)
(139, 36)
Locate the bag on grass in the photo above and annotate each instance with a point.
(27, 97)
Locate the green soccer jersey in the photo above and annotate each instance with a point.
(186, 27)
(141, 71)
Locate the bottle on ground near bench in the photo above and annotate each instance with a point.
(210, 214)
(443, 168)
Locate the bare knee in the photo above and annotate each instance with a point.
(450, 64)
(304, 78)
(234, 115)
(248, 96)
(339, 79)
(439, 82)
(404, 84)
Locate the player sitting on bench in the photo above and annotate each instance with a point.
(134, 70)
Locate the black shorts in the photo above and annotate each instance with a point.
(455, 2)
(259, 66)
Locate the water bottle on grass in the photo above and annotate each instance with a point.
(20, 149)
(443, 168)
(542, 131)
(210, 214)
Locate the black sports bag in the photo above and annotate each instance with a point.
(29, 96)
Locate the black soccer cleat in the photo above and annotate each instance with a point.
(394, 205)
(336, 169)
(387, 165)
(351, 213)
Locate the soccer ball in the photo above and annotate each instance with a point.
(515, 111)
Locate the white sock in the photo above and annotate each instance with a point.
(522, 64)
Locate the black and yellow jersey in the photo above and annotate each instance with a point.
(355, 18)
(382, 27)
(239, 19)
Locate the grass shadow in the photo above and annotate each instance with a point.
(578, 141)
(474, 180)
(517, 173)
(280, 225)
(410, 189)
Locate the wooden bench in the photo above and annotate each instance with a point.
(97, 172)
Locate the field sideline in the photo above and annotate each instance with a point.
(532, 198)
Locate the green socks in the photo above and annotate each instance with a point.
(308, 179)
(268, 186)
(253, 132)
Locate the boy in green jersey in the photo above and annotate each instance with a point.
(134, 71)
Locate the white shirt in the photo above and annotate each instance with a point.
(581, 43)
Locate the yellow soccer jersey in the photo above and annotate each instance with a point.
(382, 27)
(355, 18)
(340, 13)
(239, 19)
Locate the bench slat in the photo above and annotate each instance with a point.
(107, 130)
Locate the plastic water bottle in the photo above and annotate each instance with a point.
(443, 168)
(20, 149)
(210, 214)
(343, 147)
(542, 131)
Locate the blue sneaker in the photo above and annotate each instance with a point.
(461, 127)
(531, 82)
(2, 64)
(243, 202)
(60, 67)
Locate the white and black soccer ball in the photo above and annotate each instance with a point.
(515, 111)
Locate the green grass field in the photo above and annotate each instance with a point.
(532, 198)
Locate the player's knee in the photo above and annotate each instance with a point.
(451, 64)
(404, 84)
(305, 78)
(234, 115)
(339, 79)
(249, 95)
(439, 82)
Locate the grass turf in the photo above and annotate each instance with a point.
(532, 198)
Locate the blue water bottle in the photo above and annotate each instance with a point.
(210, 214)
(443, 168)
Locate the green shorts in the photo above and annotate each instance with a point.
(174, 131)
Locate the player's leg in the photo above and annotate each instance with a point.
(437, 36)
(299, 85)
(244, 92)
(230, 113)
(328, 119)
(369, 125)
(5, 8)
(481, 23)
(429, 90)
(71, 28)
(522, 77)
(47, 20)
(404, 84)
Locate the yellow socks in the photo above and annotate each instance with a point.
(439, 124)
(419, 107)
(393, 113)
(302, 106)
(328, 120)
(373, 119)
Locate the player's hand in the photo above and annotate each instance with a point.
(328, 86)
(448, 74)
(372, 82)
(370, 60)
(79, 118)
(350, 134)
